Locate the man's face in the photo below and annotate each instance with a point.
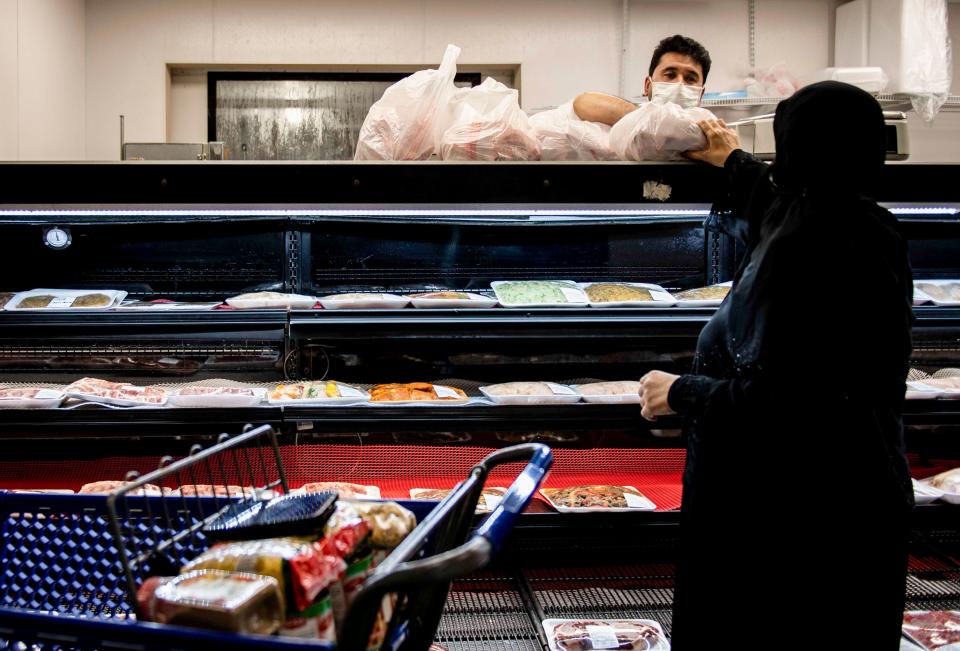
(675, 68)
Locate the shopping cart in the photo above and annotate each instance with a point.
(70, 564)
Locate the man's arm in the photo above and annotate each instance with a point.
(600, 107)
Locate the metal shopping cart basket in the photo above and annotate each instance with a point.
(70, 564)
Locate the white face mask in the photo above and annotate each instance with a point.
(685, 96)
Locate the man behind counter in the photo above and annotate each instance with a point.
(678, 71)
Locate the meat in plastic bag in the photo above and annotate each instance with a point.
(486, 123)
(402, 125)
(564, 136)
(659, 131)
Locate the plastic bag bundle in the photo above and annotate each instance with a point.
(564, 136)
(659, 131)
(926, 73)
(486, 123)
(402, 124)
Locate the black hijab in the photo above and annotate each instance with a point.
(831, 139)
(810, 222)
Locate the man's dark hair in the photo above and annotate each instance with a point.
(682, 45)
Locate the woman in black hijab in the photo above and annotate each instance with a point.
(797, 495)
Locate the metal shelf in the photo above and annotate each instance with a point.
(498, 323)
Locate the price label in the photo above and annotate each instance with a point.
(603, 637)
(61, 301)
(446, 392)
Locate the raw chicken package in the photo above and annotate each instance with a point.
(401, 125)
(659, 130)
(564, 136)
(486, 123)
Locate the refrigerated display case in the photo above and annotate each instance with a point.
(210, 231)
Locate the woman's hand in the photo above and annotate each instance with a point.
(654, 389)
(721, 142)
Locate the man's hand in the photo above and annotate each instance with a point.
(654, 388)
(721, 142)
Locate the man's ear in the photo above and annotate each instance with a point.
(647, 87)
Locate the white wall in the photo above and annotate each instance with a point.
(562, 46)
(69, 68)
(42, 79)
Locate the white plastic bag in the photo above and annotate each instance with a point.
(486, 123)
(659, 131)
(564, 136)
(926, 62)
(401, 125)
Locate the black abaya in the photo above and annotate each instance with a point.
(796, 490)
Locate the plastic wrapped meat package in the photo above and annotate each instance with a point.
(345, 490)
(530, 393)
(402, 124)
(234, 602)
(564, 136)
(592, 634)
(485, 123)
(659, 131)
(121, 394)
(948, 483)
(539, 293)
(320, 393)
(271, 300)
(65, 299)
(30, 398)
(585, 499)
(489, 497)
(934, 630)
(224, 396)
(622, 391)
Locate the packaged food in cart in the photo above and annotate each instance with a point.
(583, 499)
(30, 398)
(235, 602)
(539, 293)
(940, 292)
(389, 523)
(710, 296)
(320, 393)
(272, 300)
(489, 498)
(449, 300)
(593, 634)
(121, 394)
(217, 396)
(933, 630)
(413, 393)
(613, 294)
(65, 299)
(364, 301)
(303, 569)
(530, 393)
(314, 622)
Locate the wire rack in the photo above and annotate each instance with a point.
(487, 612)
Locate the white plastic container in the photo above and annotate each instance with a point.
(602, 634)
(553, 394)
(272, 300)
(44, 399)
(930, 289)
(573, 295)
(64, 299)
(869, 78)
(473, 301)
(660, 296)
(226, 399)
(349, 395)
(712, 302)
(634, 503)
(373, 301)
(609, 398)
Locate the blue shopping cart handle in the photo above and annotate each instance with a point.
(498, 524)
